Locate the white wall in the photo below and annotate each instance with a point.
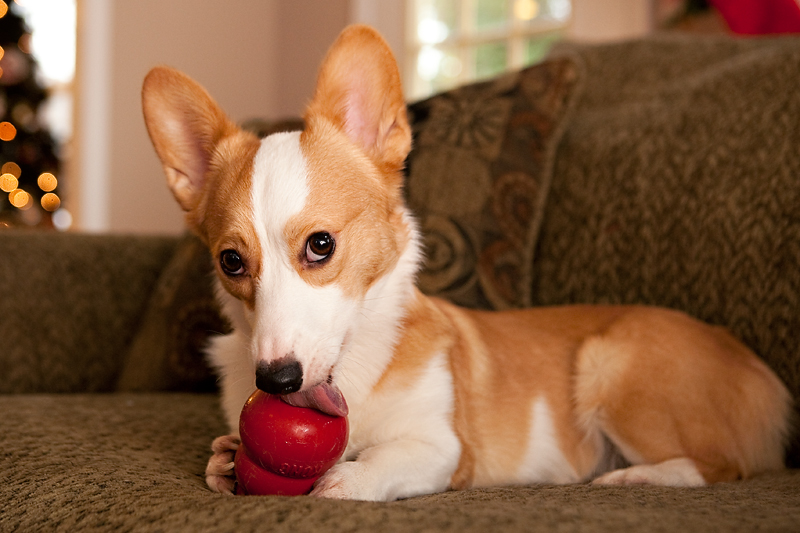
(610, 20)
(258, 58)
(307, 28)
(119, 185)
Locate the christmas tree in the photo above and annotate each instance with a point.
(29, 160)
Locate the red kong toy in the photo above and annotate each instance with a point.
(285, 449)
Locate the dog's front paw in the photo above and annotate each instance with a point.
(347, 481)
(220, 476)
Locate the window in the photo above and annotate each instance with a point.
(455, 41)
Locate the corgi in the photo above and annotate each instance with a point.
(315, 257)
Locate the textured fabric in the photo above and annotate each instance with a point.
(478, 179)
(167, 350)
(128, 462)
(69, 304)
(678, 184)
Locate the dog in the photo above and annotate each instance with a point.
(315, 257)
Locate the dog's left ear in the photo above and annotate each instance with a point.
(359, 90)
(185, 125)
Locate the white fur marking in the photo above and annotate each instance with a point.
(544, 462)
(291, 316)
(280, 186)
(375, 331)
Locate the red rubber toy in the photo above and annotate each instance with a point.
(285, 449)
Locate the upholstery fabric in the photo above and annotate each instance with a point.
(69, 305)
(478, 179)
(167, 351)
(135, 462)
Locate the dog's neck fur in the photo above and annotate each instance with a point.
(373, 342)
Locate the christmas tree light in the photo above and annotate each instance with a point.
(29, 160)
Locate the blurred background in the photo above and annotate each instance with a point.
(74, 152)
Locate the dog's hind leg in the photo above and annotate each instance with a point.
(681, 472)
(683, 402)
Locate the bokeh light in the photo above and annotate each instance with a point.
(11, 168)
(47, 182)
(3, 9)
(62, 220)
(7, 131)
(526, 9)
(24, 43)
(20, 199)
(8, 182)
(51, 202)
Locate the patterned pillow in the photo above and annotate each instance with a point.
(167, 351)
(478, 178)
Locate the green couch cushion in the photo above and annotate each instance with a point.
(135, 462)
(69, 305)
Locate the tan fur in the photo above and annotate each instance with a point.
(359, 203)
(697, 393)
(426, 331)
(349, 76)
(505, 361)
(657, 383)
(227, 223)
(355, 202)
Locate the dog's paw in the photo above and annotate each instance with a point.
(680, 472)
(219, 472)
(623, 477)
(346, 481)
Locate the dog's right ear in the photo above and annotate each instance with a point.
(359, 91)
(185, 125)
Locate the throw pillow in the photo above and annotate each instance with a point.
(478, 178)
(167, 352)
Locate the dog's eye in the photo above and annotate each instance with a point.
(231, 263)
(319, 247)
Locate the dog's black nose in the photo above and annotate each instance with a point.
(280, 377)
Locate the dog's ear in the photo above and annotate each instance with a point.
(185, 125)
(359, 90)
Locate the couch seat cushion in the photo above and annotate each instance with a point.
(135, 462)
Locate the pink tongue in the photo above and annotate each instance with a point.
(325, 397)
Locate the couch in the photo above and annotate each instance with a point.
(662, 171)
